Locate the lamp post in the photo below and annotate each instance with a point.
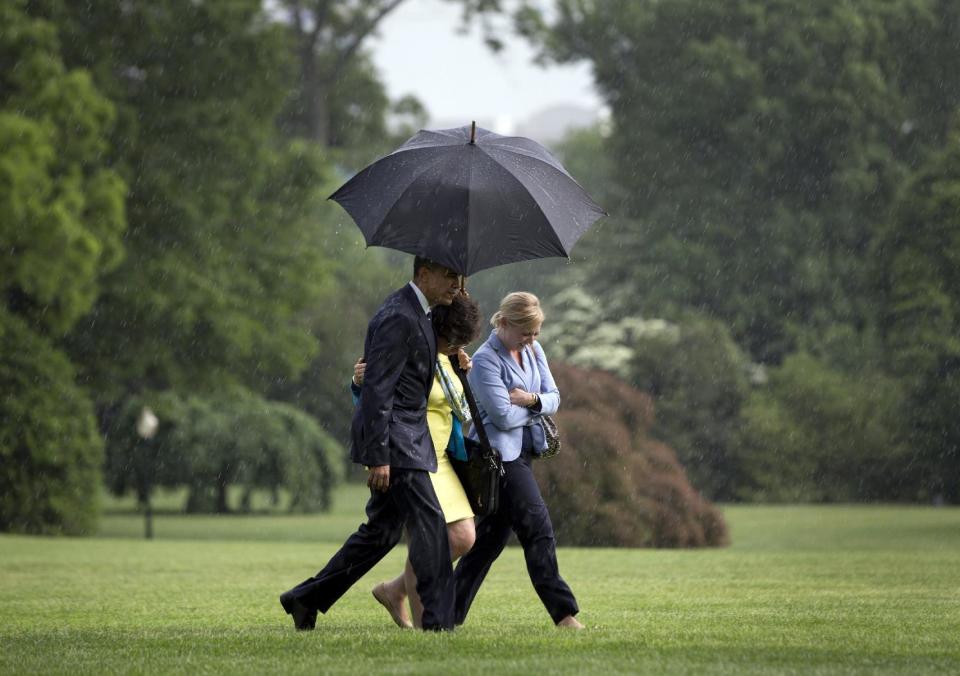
(147, 425)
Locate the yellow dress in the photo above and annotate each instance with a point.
(449, 490)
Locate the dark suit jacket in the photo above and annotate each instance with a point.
(390, 423)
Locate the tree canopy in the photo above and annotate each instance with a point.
(50, 449)
(776, 167)
(630, 489)
(62, 216)
(759, 146)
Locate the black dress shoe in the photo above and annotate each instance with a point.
(304, 619)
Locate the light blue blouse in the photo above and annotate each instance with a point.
(494, 374)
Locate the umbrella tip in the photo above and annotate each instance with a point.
(473, 132)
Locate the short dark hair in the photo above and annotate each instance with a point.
(460, 322)
(421, 262)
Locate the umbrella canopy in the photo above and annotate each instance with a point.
(469, 199)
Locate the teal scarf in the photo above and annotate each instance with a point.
(456, 399)
(461, 413)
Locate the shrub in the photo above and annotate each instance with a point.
(692, 368)
(208, 443)
(612, 484)
(50, 452)
(816, 434)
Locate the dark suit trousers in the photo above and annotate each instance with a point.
(411, 502)
(522, 511)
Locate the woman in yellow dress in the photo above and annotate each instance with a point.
(456, 325)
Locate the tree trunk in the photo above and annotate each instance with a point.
(314, 122)
(202, 499)
(143, 497)
(222, 507)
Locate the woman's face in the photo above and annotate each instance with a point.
(517, 337)
(444, 346)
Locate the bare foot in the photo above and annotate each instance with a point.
(394, 603)
(570, 622)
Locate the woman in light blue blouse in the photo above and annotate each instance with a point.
(514, 387)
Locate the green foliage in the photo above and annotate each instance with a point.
(212, 443)
(920, 281)
(586, 155)
(355, 283)
(815, 434)
(758, 146)
(694, 371)
(699, 380)
(337, 99)
(631, 491)
(920, 254)
(935, 433)
(237, 269)
(358, 108)
(61, 228)
(353, 104)
(223, 250)
(50, 452)
(756, 152)
(61, 206)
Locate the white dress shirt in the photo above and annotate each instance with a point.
(423, 299)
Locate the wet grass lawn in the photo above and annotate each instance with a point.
(802, 590)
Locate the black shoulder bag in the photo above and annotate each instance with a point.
(480, 473)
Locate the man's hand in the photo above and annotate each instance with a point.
(379, 478)
(358, 370)
(519, 397)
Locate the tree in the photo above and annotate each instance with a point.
(61, 229)
(329, 37)
(694, 372)
(223, 254)
(237, 268)
(359, 280)
(759, 145)
(242, 440)
(919, 256)
(815, 434)
(630, 490)
(211, 443)
(61, 205)
(50, 451)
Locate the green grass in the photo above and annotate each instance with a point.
(803, 590)
(122, 520)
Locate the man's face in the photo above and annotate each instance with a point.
(439, 284)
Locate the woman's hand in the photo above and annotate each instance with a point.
(358, 370)
(466, 363)
(519, 397)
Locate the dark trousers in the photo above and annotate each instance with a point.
(411, 502)
(522, 511)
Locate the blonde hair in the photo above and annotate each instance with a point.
(519, 309)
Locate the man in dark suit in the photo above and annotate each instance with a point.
(389, 436)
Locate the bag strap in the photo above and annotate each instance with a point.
(474, 411)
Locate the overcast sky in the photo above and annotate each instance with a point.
(418, 51)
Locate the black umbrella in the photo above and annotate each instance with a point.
(469, 199)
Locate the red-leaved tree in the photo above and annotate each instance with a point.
(612, 485)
